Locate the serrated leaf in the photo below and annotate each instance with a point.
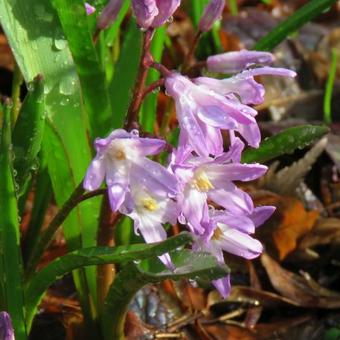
(28, 132)
(11, 293)
(287, 141)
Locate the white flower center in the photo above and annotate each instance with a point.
(117, 151)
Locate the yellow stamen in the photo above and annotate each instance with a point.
(218, 233)
(202, 183)
(119, 155)
(149, 204)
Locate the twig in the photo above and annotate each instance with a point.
(191, 52)
(152, 87)
(46, 238)
(137, 97)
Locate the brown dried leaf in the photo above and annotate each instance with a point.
(302, 289)
(286, 181)
(295, 223)
(326, 231)
(229, 332)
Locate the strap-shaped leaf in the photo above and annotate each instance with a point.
(134, 276)
(87, 63)
(28, 132)
(11, 293)
(293, 23)
(39, 283)
(120, 88)
(39, 46)
(287, 141)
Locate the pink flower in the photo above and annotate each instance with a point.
(121, 160)
(109, 14)
(89, 9)
(233, 62)
(202, 114)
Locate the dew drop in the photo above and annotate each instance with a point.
(135, 132)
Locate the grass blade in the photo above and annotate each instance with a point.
(125, 73)
(12, 298)
(305, 14)
(87, 64)
(327, 104)
(28, 133)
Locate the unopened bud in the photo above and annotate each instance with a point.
(212, 12)
(234, 62)
(6, 328)
(89, 9)
(153, 13)
(109, 14)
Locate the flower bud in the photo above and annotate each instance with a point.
(153, 13)
(6, 328)
(109, 14)
(233, 62)
(166, 8)
(212, 12)
(145, 11)
(89, 9)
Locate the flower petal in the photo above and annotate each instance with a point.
(261, 214)
(233, 62)
(194, 208)
(218, 174)
(95, 174)
(251, 133)
(238, 243)
(223, 286)
(116, 195)
(233, 200)
(239, 222)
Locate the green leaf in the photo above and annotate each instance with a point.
(125, 73)
(39, 46)
(134, 276)
(28, 132)
(287, 141)
(196, 8)
(303, 15)
(11, 298)
(94, 256)
(87, 64)
(42, 199)
(327, 103)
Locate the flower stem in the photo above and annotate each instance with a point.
(46, 238)
(137, 98)
(191, 53)
(106, 273)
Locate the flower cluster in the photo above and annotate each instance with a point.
(197, 188)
